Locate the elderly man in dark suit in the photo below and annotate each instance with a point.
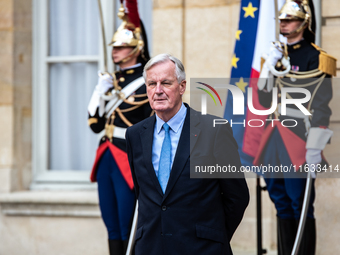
(178, 214)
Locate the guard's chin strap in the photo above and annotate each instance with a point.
(296, 30)
(301, 27)
(135, 52)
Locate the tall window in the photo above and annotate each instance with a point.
(67, 49)
(73, 41)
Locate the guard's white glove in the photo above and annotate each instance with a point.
(286, 62)
(274, 55)
(105, 82)
(313, 157)
(266, 80)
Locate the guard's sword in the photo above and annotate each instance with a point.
(277, 26)
(133, 232)
(103, 35)
(104, 47)
(303, 215)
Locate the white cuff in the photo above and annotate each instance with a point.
(266, 79)
(318, 138)
(95, 102)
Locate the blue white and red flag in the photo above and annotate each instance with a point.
(254, 35)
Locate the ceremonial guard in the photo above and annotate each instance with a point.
(300, 141)
(119, 101)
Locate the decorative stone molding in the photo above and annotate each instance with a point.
(51, 204)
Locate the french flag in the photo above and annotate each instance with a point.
(254, 35)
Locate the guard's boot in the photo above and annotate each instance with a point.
(286, 232)
(116, 247)
(308, 241)
(125, 245)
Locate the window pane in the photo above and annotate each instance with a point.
(74, 27)
(72, 144)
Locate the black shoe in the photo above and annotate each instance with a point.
(116, 247)
(308, 241)
(125, 245)
(286, 232)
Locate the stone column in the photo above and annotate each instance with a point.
(15, 95)
(327, 207)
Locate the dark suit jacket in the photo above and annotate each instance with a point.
(194, 216)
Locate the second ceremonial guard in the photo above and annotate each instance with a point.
(299, 64)
(119, 101)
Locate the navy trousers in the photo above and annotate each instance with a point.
(286, 190)
(116, 199)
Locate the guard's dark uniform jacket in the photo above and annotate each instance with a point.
(305, 62)
(129, 114)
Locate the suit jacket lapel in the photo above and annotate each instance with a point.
(182, 154)
(194, 130)
(146, 137)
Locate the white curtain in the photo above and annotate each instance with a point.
(73, 30)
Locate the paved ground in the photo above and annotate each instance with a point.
(237, 252)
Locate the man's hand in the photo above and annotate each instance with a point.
(105, 82)
(266, 80)
(313, 157)
(274, 55)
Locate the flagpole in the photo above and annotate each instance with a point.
(259, 189)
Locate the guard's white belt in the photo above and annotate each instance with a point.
(298, 114)
(294, 113)
(119, 132)
(115, 101)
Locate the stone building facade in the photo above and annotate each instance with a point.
(67, 221)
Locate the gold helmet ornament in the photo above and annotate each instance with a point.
(298, 10)
(128, 33)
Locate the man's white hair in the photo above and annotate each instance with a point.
(164, 57)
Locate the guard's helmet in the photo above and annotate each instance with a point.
(300, 10)
(131, 32)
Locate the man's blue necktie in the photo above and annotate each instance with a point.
(165, 159)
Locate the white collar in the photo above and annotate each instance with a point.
(130, 67)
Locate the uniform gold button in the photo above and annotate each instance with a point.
(121, 79)
(297, 46)
(131, 99)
